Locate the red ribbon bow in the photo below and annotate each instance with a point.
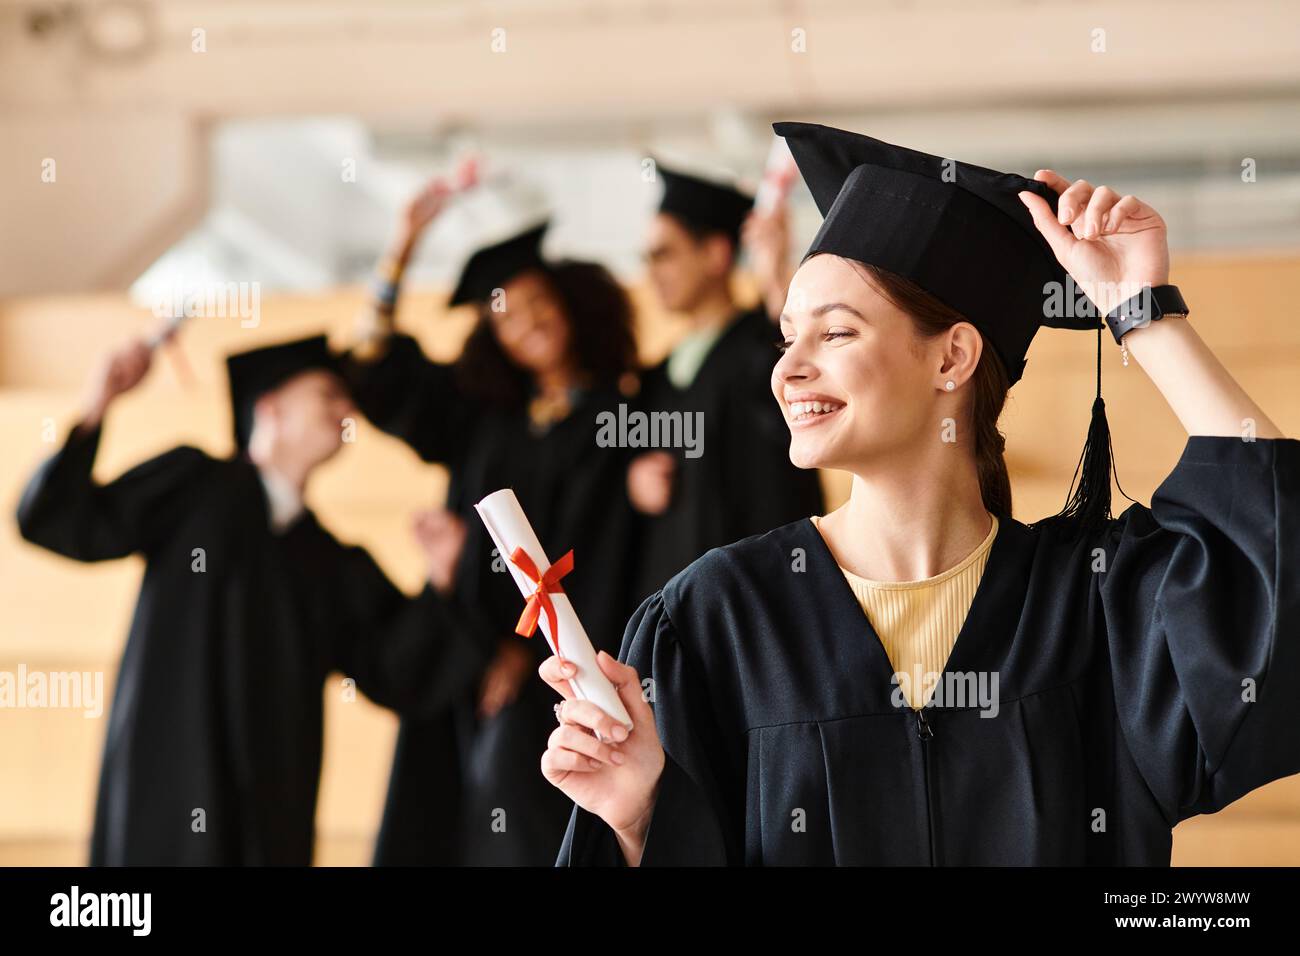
(540, 599)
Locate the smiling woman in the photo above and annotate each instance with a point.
(549, 352)
(777, 735)
(888, 306)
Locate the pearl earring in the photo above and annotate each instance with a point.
(950, 385)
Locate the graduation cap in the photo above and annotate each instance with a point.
(253, 374)
(490, 267)
(704, 203)
(961, 233)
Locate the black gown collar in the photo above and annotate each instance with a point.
(740, 322)
(305, 520)
(985, 636)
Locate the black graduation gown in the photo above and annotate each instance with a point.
(1123, 694)
(743, 483)
(218, 704)
(574, 494)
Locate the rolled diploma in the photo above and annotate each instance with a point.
(167, 331)
(506, 523)
(779, 175)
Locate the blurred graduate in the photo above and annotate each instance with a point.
(740, 480)
(551, 349)
(213, 750)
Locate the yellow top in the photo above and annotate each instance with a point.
(918, 621)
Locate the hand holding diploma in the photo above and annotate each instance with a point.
(605, 755)
(766, 232)
(547, 605)
(123, 369)
(600, 767)
(119, 372)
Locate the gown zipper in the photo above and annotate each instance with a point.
(925, 733)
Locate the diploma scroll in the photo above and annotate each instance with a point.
(506, 523)
(168, 331)
(779, 176)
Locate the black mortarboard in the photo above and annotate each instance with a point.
(253, 374)
(492, 266)
(962, 234)
(704, 203)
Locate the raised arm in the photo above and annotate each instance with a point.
(396, 386)
(1113, 246)
(375, 324)
(65, 511)
(1200, 591)
(766, 237)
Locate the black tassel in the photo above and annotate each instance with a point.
(1088, 508)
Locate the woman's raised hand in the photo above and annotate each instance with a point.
(1112, 245)
(425, 205)
(616, 777)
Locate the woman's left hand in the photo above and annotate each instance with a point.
(1112, 245)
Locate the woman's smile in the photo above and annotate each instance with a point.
(804, 410)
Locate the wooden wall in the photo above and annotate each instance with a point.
(58, 615)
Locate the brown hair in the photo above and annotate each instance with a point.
(989, 384)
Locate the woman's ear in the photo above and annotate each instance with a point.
(963, 347)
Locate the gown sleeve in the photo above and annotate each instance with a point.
(411, 655)
(414, 399)
(1202, 610)
(65, 511)
(699, 811)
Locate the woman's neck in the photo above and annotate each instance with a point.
(909, 518)
(557, 381)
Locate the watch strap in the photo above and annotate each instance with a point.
(1151, 304)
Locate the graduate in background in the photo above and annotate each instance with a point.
(213, 750)
(919, 678)
(518, 410)
(743, 482)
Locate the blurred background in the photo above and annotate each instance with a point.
(153, 146)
